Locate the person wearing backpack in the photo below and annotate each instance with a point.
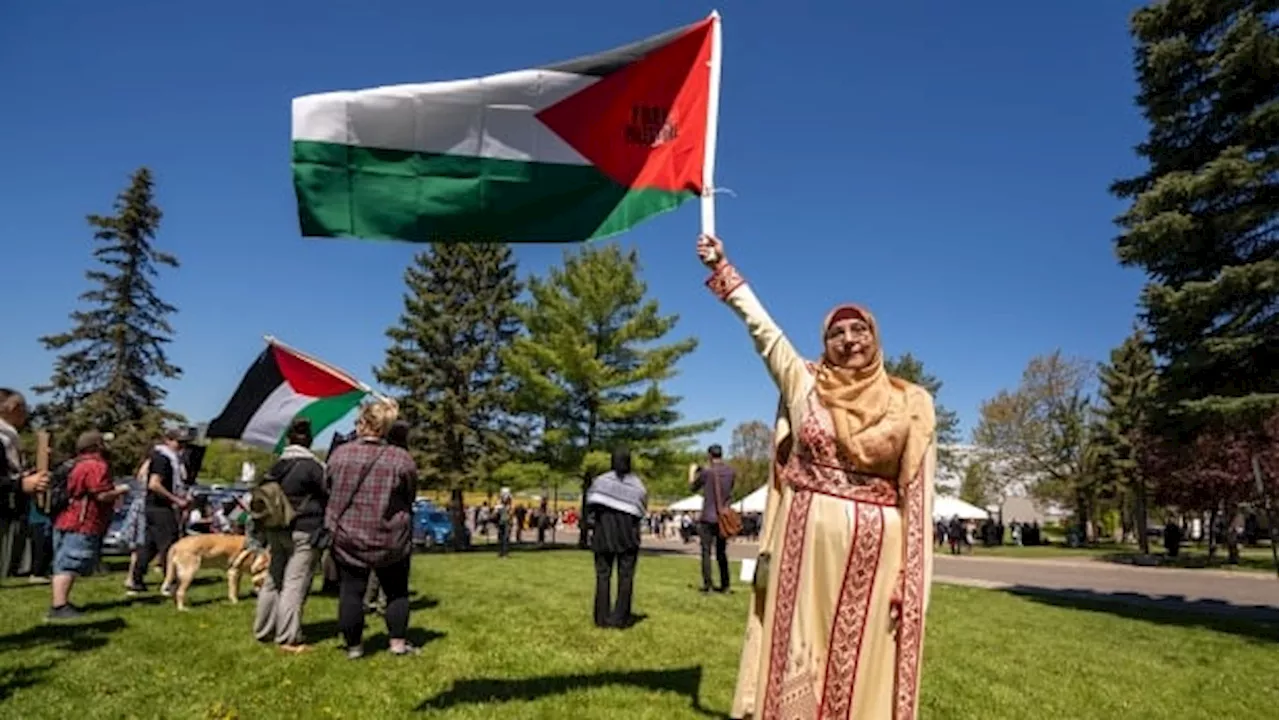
(288, 508)
(82, 503)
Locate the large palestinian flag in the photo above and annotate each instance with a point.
(283, 384)
(571, 151)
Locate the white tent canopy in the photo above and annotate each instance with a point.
(945, 508)
(693, 503)
(755, 502)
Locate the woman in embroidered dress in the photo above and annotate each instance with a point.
(842, 584)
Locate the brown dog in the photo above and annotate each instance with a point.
(186, 556)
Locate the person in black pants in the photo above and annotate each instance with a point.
(616, 500)
(163, 508)
(371, 489)
(716, 483)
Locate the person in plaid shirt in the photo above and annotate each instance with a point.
(370, 515)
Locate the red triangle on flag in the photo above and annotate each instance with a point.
(645, 124)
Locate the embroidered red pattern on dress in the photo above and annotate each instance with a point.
(785, 606)
(724, 280)
(911, 626)
(848, 627)
(824, 473)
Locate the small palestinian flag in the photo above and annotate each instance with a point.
(283, 384)
(572, 151)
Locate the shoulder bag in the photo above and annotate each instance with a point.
(322, 537)
(728, 519)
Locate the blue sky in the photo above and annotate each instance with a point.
(945, 164)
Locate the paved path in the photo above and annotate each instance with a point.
(1243, 594)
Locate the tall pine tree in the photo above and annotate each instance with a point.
(444, 363)
(1128, 385)
(592, 364)
(1202, 222)
(111, 362)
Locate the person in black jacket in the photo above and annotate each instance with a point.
(293, 555)
(15, 484)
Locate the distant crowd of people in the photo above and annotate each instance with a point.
(961, 535)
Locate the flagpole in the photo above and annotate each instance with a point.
(272, 340)
(713, 118)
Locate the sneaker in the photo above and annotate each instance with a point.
(134, 590)
(66, 612)
(355, 653)
(407, 651)
(37, 580)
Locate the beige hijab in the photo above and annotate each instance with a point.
(856, 399)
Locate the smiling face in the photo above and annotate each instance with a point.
(850, 342)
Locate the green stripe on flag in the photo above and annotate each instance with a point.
(425, 197)
(324, 412)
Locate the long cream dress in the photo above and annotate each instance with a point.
(837, 630)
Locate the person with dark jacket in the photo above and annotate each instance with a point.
(165, 503)
(293, 555)
(716, 483)
(616, 500)
(16, 485)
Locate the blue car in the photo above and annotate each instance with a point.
(431, 526)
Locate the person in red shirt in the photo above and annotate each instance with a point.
(79, 528)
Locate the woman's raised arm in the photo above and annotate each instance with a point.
(785, 365)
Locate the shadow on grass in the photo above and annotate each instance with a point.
(682, 681)
(103, 605)
(18, 678)
(72, 637)
(418, 637)
(1255, 622)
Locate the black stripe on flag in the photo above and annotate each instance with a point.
(262, 379)
(603, 63)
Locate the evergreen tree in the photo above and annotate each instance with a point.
(1202, 222)
(1128, 384)
(110, 363)
(444, 363)
(592, 364)
(908, 368)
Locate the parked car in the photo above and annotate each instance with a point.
(113, 542)
(431, 526)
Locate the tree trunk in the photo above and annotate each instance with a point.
(1213, 537)
(1140, 515)
(583, 540)
(458, 515)
(1233, 537)
(1082, 517)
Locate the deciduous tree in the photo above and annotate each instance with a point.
(1038, 432)
(750, 451)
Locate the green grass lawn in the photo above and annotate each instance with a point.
(512, 639)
